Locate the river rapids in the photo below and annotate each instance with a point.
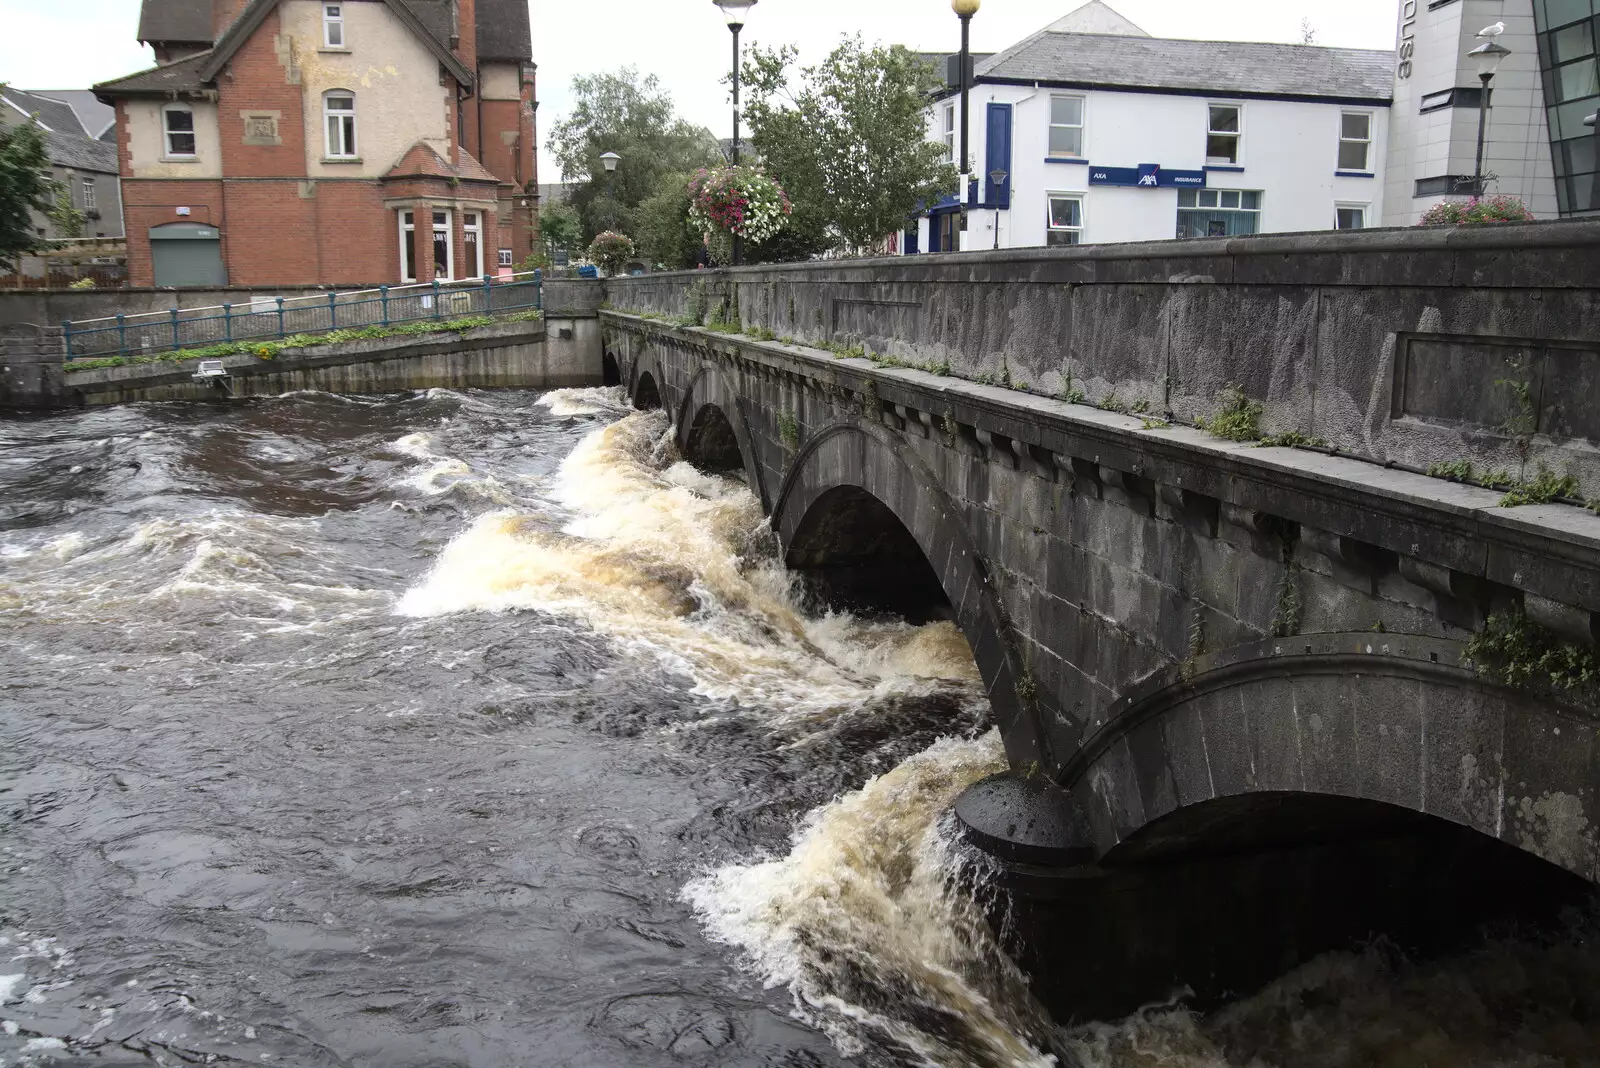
(479, 729)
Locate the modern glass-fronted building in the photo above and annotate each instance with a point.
(1567, 33)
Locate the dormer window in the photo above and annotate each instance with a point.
(178, 126)
(333, 25)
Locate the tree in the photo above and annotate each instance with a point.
(1308, 32)
(847, 139)
(25, 187)
(559, 227)
(632, 116)
(662, 222)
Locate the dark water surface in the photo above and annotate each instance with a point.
(249, 809)
(477, 729)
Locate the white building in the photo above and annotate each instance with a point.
(1092, 131)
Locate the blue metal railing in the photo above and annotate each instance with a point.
(269, 318)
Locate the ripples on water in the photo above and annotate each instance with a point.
(443, 729)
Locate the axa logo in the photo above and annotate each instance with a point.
(1147, 179)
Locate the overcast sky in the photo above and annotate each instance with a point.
(686, 43)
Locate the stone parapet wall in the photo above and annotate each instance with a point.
(1412, 347)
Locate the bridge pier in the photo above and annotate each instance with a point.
(1252, 891)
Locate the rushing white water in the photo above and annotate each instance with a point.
(678, 565)
(864, 923)
(869, 919)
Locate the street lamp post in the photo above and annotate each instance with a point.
(997, 179)
(734, 11)
(1488, 56)
(609, 161)
(964, 10)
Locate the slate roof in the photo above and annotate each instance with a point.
(1232, 68)
(503, 31)
(82, 153)
(188, 21)
(174, 78)
(66, 142)
(96, 118)
(54, 115)
(1096, 17)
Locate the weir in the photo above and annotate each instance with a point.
(1232, 676)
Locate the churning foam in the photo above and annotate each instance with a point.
(679, 565)
(864, 924)
(590, 401)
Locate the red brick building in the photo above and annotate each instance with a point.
(284, 142)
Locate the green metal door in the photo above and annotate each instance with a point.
(187, 254)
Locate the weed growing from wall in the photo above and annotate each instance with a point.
(1542, 488)
(1238, 420)
(1515, 651)
(788, 428)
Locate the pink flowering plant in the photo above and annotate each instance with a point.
(1477, 210)
(611, 250)
(741, 201)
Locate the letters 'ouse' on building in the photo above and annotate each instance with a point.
(283, 142)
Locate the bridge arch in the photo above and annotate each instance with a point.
(1336, 727)
(856, 483)
(610, 370)
(712, 431)
(646, 391)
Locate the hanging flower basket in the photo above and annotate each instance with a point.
(611, 250)
(736, 201)
(1477, 210)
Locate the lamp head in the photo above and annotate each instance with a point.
(1589, 120)
(1488, 56)
(965, 8)
(735, 10)
(610, 160)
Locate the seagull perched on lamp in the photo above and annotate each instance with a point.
(1491, 32)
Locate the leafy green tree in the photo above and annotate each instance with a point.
(560, 227)
(631, 115)
(666, 235)
(847, 139)
(24, 188)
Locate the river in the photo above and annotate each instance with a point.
(478, 729)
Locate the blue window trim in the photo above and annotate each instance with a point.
(1066, 159)
(1354, 174)
(1223, 167)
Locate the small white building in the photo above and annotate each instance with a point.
(1093, 131)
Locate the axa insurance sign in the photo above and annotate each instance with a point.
(1146, 176)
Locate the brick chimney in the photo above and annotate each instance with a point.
(465, 32)
(223, 12)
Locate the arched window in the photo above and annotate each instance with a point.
(339, 113)
(177, 125)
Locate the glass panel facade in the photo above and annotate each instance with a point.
(1566, 32)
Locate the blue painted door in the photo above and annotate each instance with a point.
(997, 156)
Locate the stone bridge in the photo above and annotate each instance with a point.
(1198, 648)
